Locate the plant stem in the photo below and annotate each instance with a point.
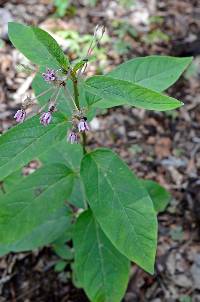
(84, 141)
(76, 99)
(76, 94)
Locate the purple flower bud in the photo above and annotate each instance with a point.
(49, 75)
(45, 118)
(83, 126)
(20, 116)
(72, 138)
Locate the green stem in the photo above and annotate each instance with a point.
(76, 100)
(84, 141)
(76, 94)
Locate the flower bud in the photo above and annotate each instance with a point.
(49, 75)
(72, 138)
(20, 116)
(45, 118)
(83, 125)
(99, 32)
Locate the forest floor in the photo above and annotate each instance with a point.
(161, 146)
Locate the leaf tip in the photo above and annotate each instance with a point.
(152, 271)
(178, 104)
(10, 24)
(190, 59)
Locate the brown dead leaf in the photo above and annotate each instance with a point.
(163, 147)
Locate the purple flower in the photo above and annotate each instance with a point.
(72, 138)
(83, 125)
(20, 116)
(45, 118)
(49, 75)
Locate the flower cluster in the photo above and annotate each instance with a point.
(79, 121)
(49, 76)
(81, 126)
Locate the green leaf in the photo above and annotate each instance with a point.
(11, 180)
(78, 197)
(65, 237)
(79, 65)
(122, 206)
(63, 251)
(61, 6)
(185, 298)
(116, 92)
(37, 45)
(65, 153)
(30, 212)
(45, 233)
(25, 141)
(153, 72)
(3, 250)
(70, 155)
(60, 266)
(101, 270)
(158, 194)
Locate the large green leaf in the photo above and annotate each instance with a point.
(32, 204)
(116, 92)
(78, 197)
(65, 153)
(71, 155)
(101, 270)
(37, 45)
(25, 141)
(159, 195)
(49, 230)
(11, 180)
(121, 205)
(153, 72)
